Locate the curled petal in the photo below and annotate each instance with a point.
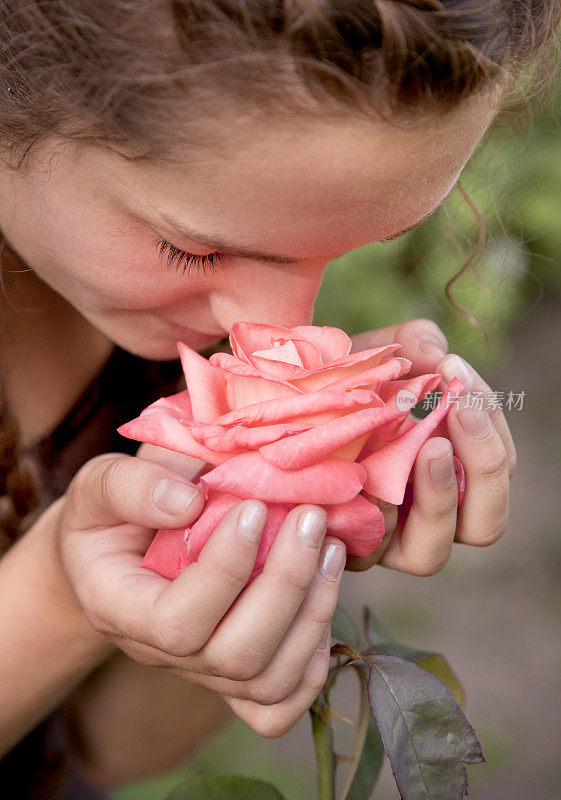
(299, 405)
(158, 425)
(388, 370)
(389, 467)
(249, 475)
(412, 390)
(226, 440)
(205, 384)
(316, 444)
(330, 374)
(358, 523)
(332, 343)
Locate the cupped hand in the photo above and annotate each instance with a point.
(480, 439)
(264, 647)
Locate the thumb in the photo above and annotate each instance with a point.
(421, 340)
(115, 488)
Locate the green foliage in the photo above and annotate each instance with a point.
(514, 179)
(208, 787)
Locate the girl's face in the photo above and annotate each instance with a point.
(278, 205)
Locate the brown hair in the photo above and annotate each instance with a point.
(122, 72)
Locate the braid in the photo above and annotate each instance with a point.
(19, 474)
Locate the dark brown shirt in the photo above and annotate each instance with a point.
(41, 766)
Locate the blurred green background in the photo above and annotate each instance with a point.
(494, 612)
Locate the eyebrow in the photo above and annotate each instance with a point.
(217, 243)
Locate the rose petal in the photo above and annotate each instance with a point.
(205, 384)
(332, 343)
(165, 554)
(249, 475)
(388, 370)
(358, 523)
(344, 368)
(299, 405)
(389, 468)
(159, 425)
(395, 392)
(316, 444)
(223, 439)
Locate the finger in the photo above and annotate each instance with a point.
(422, 342)
(423, 546)
(254, 626)
(361, 563)
(453, 366)
(177, 616)
(483, 515)
(311, 625)
(275, 720)
(187, 466)
(115, 488)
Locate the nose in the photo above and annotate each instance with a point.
(272, 294)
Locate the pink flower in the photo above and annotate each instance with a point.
(292, 418)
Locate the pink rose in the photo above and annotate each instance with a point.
(292, 418)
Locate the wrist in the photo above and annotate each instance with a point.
(86, 643)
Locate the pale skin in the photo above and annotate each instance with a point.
(87, 221)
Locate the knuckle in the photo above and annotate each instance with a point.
(273, 726)
(428, 568)
(172, 638)
(234, 573)
(107, 478)
(428, 327)
(269, 693)
(494, 469)
(98, 623)
(244, 666)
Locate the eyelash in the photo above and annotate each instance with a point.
(189, 263)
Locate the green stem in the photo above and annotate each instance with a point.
(325, 757)
(362, 730)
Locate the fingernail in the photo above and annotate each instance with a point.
(442, 469)
(311, 527)
(325, 639)
(332, 562)
(173, 497)
(432, 347)
(383, 505)
(456, 367)
(475, 422)
(251, 521)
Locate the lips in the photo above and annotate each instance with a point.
(196, 338)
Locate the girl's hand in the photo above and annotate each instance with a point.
(484, 446)
(266, 646)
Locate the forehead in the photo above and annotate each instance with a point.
(311, 190)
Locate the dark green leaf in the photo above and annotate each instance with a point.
(382, 642)
(375, 632)
(426, 735)
(344, 629)
(440, 668)
(224, 787)
(369, 764)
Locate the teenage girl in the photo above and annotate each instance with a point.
(170, 167)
